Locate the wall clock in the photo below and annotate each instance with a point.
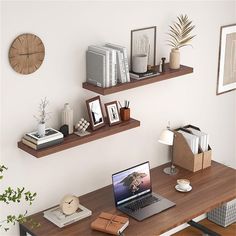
(26, 53)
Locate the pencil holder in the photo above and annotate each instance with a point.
(124, 113)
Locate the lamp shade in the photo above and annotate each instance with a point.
(166, 137)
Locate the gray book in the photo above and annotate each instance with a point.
(95, 68)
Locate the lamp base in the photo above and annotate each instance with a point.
(171, 170)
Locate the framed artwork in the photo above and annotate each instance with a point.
(112, 113)
(95, 112)
(227, 60)
(143, 41)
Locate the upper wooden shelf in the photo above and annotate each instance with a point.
(74, 140)
(168, 74)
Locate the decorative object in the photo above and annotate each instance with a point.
(95, 112)
(160, 66)
(227, 60)
(69, 204)
(167, 138)
(65, 130)
(43, 117)
(112, 113)
(81, 126)
(26, 53)
(16, 195)
(179, 37)
(58, 216)
(143, 41)
(163, 64)
(67, 117)
(140, 63)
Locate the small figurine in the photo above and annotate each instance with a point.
(81, 126)
(163, 64)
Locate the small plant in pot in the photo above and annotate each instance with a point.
(180, 36)
(42, 117)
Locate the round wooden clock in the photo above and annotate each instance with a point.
(26, 53)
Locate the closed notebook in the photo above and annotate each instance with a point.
(111, 224)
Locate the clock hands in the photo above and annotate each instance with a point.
(29, 53)
(70, 201)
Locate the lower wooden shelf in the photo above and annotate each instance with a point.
(74, 140)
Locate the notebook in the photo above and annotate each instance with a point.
(133, 193)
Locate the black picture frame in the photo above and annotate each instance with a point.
(96, 116)
(143, 41)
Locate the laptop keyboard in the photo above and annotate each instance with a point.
(134, 206)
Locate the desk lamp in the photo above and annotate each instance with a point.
(167, 138)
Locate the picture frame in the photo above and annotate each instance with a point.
(113, 114)
(143, 41)
(95, 112)
(226, 80)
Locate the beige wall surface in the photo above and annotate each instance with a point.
(67, 28)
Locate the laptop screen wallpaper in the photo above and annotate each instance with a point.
(131, 183)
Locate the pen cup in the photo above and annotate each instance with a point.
(124, 113)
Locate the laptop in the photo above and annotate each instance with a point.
(133, 193)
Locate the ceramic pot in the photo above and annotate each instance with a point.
(139, 63)
(174, 59)
(41, 129)
(67, 117)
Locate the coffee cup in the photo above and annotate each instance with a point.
(183, 183)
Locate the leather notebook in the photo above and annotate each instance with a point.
(109, 223)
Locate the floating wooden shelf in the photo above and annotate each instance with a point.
(136, 83)
(74, 140)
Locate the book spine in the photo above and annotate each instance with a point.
(122, 68)
(114, 68)
(126, 64)
(41, 146)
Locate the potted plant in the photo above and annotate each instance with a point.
(43, 117)
(180, 36)
(11, 195)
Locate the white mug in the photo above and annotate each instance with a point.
(183, 183)
(139, 63)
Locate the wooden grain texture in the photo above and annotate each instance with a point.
(228, 231)
(211, 187)
(74, 140)
(168, 74)
(26, 53)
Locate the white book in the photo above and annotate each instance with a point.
(96, 68)
(192, 140)
(113, 66)
(203, 138)
(56, 216)
(123, 50)
(106, 53)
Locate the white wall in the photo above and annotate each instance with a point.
(67, 28)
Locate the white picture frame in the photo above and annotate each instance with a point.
(227, 60)
(113, 114)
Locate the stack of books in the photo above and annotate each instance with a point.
(36, 142)
(107, 65)
(57, 217)
(139, 76)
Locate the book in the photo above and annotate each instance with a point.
(96, 69)
(57, 217)
(145, 75)
(50, 135)
(106, 53)
(123, 50)
(43, 145)
(109, 223)
(192, 140)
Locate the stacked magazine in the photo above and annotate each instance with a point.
(36, 142)
(107, 65)
(56, 216)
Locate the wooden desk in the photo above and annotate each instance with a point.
(211, 187)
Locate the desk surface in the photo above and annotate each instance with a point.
(211, 187)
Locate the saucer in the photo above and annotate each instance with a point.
(183, 190)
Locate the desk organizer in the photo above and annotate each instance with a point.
(184, 157)
(224, 215)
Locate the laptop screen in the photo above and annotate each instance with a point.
(131, 183)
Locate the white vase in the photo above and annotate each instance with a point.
(174, 59)
(67, 117)
(139, 63)
(41, 129)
